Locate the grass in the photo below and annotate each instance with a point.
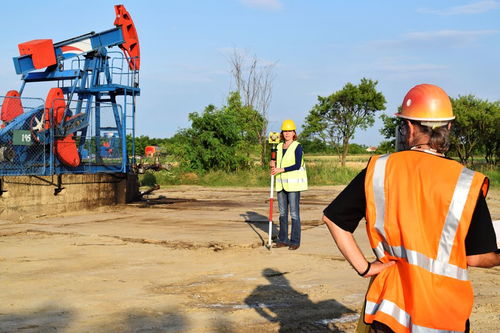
(321, 170)
(253, 178)
(493, 174)
(331, 173)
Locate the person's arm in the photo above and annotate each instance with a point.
(351, 251)
(485, 260)
(347, 209)
(275, 171)
(296, 166)
(298, 160)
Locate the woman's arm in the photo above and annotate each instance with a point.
(275, 171)
(298, 160)
(296, 166)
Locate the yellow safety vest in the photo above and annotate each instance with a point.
(291, 181)
(419, 209)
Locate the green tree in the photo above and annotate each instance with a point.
(315, 145)
(355, 148)
(386, 147)
(219, 139)
(389, 131)
(491, 138)
(336, 118)
(475, 127)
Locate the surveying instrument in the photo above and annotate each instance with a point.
(274, 139)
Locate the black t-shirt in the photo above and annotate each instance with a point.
(348, 208)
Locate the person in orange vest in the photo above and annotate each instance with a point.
(427, 221)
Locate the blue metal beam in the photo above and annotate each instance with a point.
(74, 47)
(53, 75)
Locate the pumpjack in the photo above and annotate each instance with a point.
(83, 124)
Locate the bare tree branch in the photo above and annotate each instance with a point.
(254, 82)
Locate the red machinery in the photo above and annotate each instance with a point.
(67, 129)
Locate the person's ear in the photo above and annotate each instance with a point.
(411, 128)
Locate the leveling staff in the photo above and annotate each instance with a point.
(291, 179)
(427, 221)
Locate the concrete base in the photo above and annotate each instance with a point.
(30, 196)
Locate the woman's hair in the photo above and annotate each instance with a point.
(282, 138)
(439, 137)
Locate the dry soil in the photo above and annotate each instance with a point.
(190, 259)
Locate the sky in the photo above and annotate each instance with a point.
(317, 45)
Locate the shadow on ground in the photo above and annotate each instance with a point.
(48, 318)
(279, 303)
(162, 321)
(259, 221)
(51, 318)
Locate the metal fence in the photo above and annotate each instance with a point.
(81, 127)
(28, 147)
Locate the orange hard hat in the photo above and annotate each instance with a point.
(428, 104)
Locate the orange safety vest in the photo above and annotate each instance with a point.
(418, 211)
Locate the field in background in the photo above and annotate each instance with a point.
(321, 170)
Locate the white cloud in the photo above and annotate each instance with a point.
(473, 8)
(264, 4)
(402, 66)
(453, 38)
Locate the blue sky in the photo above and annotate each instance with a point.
(318, 45)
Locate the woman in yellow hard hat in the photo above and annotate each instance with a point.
(427, 221)
(291, 179)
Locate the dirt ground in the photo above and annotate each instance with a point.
(190, 259)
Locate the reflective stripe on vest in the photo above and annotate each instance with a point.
(418, 212)
(401, 316)
(294, 180)
(291, 181)
(440, 265)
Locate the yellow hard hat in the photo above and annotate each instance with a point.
(288, 125)
(428, 104)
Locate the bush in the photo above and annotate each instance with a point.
(148, 179)
(219, 139)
